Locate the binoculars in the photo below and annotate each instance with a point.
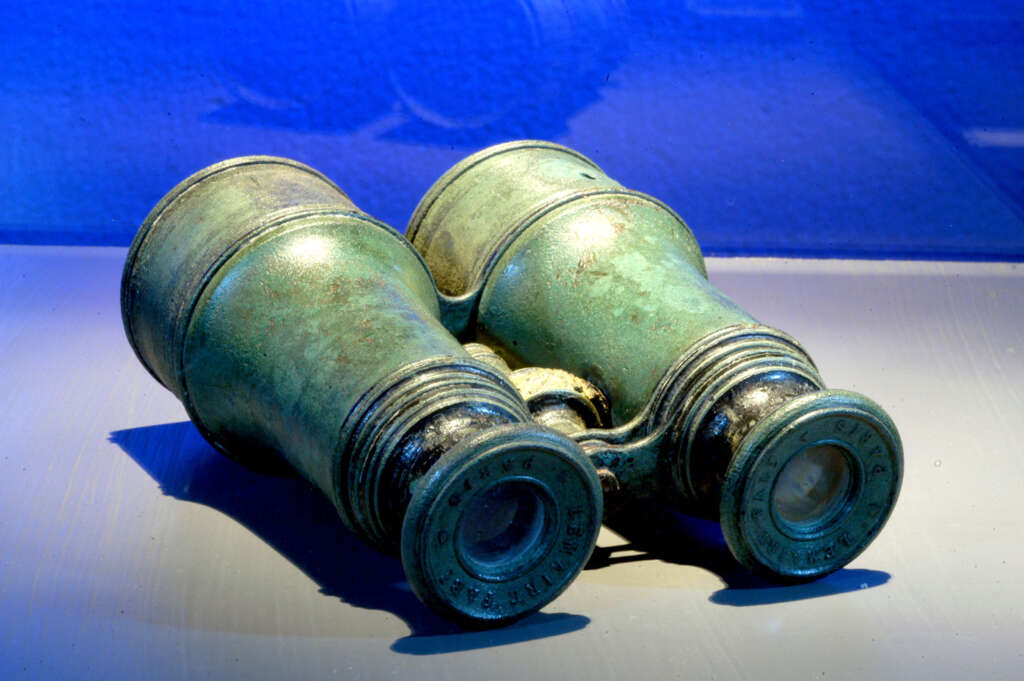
(301, 333)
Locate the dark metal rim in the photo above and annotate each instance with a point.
(674, 391)
(397, 388)
(753, 366)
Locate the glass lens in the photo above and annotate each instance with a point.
(812, 487)
(502, 524)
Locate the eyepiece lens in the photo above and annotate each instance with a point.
(503, 526)
(813, 487)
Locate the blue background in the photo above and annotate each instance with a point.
(774, 127)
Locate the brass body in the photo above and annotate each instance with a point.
(301, 333)
(543, 256)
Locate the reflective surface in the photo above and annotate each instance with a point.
(812, 488)
(774, 126)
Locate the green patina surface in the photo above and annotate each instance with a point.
(298, 330)
(586, 291)
(581, 287)
(543, 256)
(334, 304)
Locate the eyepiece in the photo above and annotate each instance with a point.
(506, 528)
(811, 485)
(501, 524)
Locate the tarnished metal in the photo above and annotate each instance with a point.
(555, 398)
(487, 356)
(540, 253)
(561, 400)
(298, 331)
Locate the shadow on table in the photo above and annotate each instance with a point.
(300, 523)
(655, 532)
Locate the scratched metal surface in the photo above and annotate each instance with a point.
(131, 549)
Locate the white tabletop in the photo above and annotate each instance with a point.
(131, 550)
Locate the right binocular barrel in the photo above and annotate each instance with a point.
(298, 330)
(546, 258)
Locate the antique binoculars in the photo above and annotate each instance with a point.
(300, 332)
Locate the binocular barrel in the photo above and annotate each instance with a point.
(541, 255)
(300, 332)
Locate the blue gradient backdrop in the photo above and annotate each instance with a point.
(775, 127)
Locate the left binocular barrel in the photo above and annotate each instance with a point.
(300, 332)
